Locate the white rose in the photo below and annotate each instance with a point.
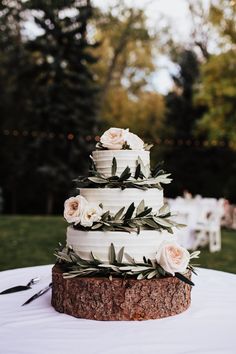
(91, 214)
(172, 257)
(73, 209)
(134, 142)
(114, 138)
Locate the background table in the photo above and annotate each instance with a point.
(208, 326)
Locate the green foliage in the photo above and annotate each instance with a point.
(133, 219)
(143, 178)
(75, 266)
(218, 93)
(181, 113)
(127, 62)
(48, 88)
(222, 16)
(216, 90)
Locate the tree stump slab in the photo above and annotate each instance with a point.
(98, 298)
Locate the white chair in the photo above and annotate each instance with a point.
(208, 231)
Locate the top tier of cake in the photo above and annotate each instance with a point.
(103, 160)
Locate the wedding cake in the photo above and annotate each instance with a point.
(121, 260)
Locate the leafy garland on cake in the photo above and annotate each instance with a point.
(133, 219)
(125, 146)
(143, 178)
(76, 266)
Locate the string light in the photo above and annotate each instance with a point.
(71, 136)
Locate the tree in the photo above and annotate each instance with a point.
(124, 70)
(14, 60)
(143, 115)
(218, 93)
(181, 114)
(60, 105)
(126, 52)
(64, 91)
(218, 87)
(181, 118)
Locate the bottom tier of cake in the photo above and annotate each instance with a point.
(99, 298)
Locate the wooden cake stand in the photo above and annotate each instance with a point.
(99, 298)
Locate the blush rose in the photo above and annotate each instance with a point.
(172, 257)
(73, 209)
(91, 214)
(114, 138)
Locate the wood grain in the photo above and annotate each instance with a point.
(102, 299)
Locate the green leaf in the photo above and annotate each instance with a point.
(137, 171)
(125, 174)
(94, 259)
(120, 255)
(129, 258)
(114, 167)
(161, 271)
(129, 212)
(140, 208)
(144, 213)
(151, 223)
(118, 215)
(112, 254)
(125, 268)
(97, 180)
(152, 274)
(105, 215)
(164, 209)
(140, 276)
(145, 170)
(96, 226)
(157, 170)
(147, 147)
(184, 279)
(161, 221)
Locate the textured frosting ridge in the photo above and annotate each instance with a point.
(136, 245)
(103, 160)
(114, 199)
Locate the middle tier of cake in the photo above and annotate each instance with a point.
(113, 199)
(136, 245)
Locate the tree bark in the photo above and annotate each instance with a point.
(99, 298)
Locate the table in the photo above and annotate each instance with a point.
(208, 326)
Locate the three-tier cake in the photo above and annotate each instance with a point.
(121, 260)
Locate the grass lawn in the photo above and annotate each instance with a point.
(30, 240)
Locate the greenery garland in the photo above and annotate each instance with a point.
(125, 146)
(134, 219)
(120, 264)
(143, 178)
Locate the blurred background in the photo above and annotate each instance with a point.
(70, 69)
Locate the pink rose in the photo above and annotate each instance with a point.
(73, 209)
(134, 142)
(114, 138)
(172, 257)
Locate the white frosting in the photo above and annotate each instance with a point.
(103, 160)
(136, 245)
(114, 199)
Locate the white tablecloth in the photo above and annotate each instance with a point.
(207, 327)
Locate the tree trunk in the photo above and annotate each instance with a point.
(102, 299)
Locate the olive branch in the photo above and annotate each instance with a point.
(120, 265)
(134, 219)
(143, 178)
